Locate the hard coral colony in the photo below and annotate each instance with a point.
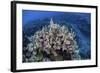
(53, 43)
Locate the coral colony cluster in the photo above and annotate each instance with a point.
(53, 43)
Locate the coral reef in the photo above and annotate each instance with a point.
(52, 43)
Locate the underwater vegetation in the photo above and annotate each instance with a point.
(52, 43)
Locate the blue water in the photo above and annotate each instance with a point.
(80, 22)
(30, 15)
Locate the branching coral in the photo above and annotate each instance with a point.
(53, 43)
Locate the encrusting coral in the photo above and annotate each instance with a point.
(53, 43)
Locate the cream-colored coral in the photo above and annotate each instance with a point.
(55, 38)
